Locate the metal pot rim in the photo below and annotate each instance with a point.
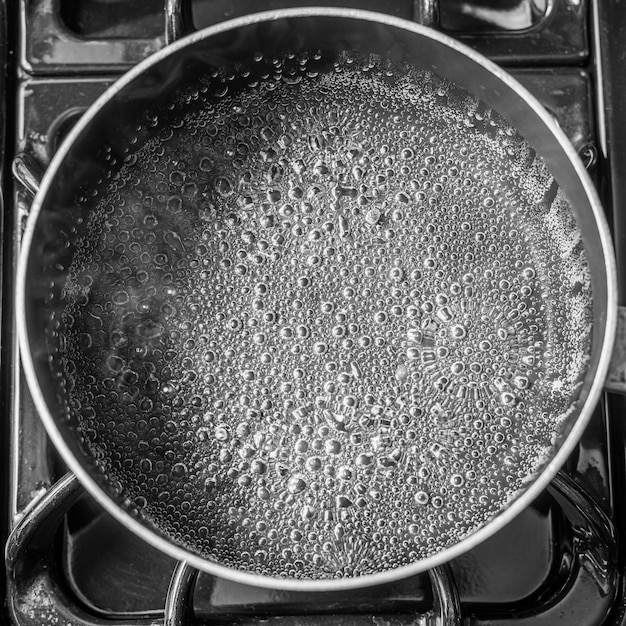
(520, 502)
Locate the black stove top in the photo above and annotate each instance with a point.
(559, 562)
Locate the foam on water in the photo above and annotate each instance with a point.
(327, 324)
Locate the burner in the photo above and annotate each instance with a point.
(69, 561)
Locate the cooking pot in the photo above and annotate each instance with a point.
(294, 179)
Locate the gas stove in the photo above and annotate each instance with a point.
(560, 562)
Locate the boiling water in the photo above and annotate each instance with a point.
(328, 324)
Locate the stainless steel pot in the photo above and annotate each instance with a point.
(57, 222)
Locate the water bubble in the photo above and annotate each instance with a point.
(372, 216)
(458, 331)
(223, 186)
(421, 497)
(296, 484)
(206, 164)
(179, 471)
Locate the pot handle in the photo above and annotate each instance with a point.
(178, 21)
(616, 379)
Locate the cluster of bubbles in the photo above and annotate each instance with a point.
(317, 326)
